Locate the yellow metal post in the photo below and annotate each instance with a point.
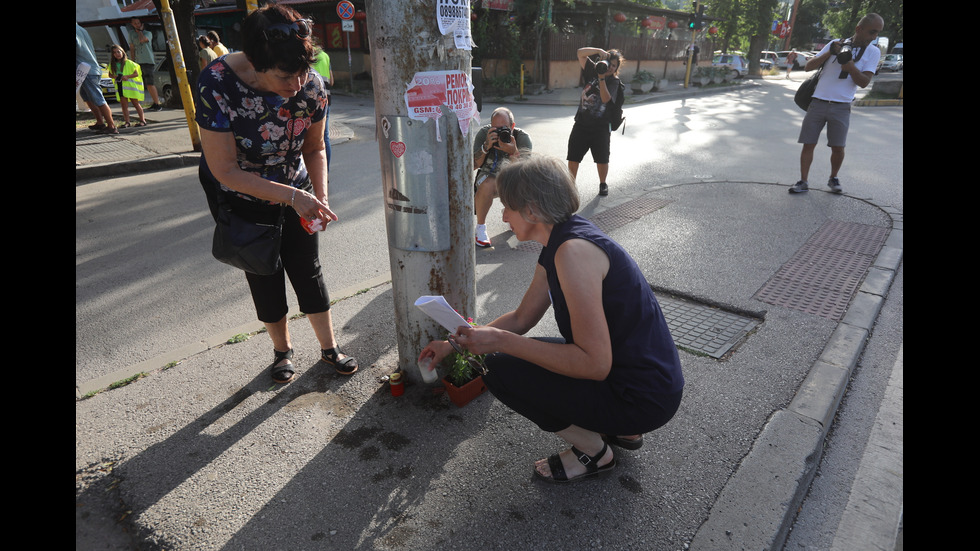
(522, 81)
(173, 43)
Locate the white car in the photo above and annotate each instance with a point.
(801, 59)
(891, 62)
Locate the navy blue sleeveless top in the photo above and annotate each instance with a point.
(645, 358)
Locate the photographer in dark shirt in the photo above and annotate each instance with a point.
(494, 145)
(591, 129)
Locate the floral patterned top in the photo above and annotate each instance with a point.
(268, 128)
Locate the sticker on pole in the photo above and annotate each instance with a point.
(428, 91)
(454, 17)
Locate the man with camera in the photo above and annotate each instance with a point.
(591, 130)
(494, 145)
(846, 64)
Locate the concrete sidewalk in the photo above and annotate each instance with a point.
(209, 455)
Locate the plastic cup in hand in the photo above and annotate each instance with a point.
(429, 374)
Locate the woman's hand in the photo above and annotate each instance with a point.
(480, 339)
(436, 351)
(308, 206)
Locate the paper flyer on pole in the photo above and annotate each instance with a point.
(438, 309)
(454, 17)
(431, 89)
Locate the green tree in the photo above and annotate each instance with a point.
(844, 15)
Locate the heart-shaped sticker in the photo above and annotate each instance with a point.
(397, 148)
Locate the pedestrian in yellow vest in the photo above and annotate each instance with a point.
(129, 83)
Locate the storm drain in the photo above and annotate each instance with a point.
(610, 219)
(705, 329)
(822, 277)
(630, 211)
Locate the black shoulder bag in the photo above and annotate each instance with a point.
(248, 245)
(804, 94)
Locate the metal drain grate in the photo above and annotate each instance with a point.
(705, 329)
(613, 218)
(824, 274)
(623, 214)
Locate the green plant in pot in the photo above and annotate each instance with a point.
(643, 82)
(463, 380)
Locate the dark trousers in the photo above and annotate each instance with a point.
(299, 252)
(554, 402)
(300, 255)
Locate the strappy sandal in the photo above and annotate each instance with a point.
(125, 125)
(625, 443)
(591, 463)
(285, 372)
(97, 126)
(346, 366)
(141, 123)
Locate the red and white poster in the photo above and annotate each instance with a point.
(428, 91)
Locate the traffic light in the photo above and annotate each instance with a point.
(697, 18)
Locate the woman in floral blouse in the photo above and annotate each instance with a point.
(261, 114)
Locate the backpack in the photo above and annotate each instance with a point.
(614, 111)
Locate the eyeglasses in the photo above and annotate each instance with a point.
(280, 32)
(475, 363)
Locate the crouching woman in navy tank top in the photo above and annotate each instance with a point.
(615, 374)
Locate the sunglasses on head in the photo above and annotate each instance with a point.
(279, 32)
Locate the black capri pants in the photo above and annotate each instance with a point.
(300, 255)
(554, 402)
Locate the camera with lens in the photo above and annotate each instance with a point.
(846, 52)
(503, 134)
(601, 66)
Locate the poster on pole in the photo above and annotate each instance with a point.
(429, 90)
(454, 17)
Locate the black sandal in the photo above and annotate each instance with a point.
(284, 373)
(591, 463)
(346, 366)
(625, 443)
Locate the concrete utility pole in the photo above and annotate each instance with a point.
(426, 165)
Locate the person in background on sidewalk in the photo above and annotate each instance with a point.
(495, 144)
(322, 67)
(141, 51)
(261, 113)
(129, 83)
(90, 91)
(790, 61)
(217, 47)
(591, 129)
(615, 374)
(205, 55)
(831, 107)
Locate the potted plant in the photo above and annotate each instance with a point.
(643, 82)
(702, 75)
(464, 378)
(718, 75)
(464, 381)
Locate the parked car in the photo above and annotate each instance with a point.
(106, 83)
(161, 79)
(738, 64)
(769, 60)
(891, 62)
(801, 59)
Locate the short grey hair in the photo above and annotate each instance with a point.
(540, 183)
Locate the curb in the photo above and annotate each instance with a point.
(757, 506)
(136, 166)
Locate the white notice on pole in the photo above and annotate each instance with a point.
(347, 26)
